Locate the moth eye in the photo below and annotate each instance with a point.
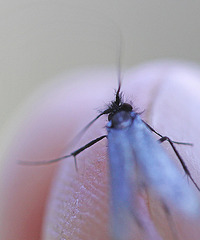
(127, 107)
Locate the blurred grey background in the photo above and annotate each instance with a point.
(42, 39)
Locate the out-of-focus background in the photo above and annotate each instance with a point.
(41, 39)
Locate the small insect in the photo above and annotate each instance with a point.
(132, 149)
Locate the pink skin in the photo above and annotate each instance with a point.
(78, 202)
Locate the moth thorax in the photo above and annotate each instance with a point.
(121, 120)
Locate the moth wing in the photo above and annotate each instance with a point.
(121, 172)
(161, 173)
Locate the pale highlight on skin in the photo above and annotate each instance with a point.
(78, 203)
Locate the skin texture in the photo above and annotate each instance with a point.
(54, 201)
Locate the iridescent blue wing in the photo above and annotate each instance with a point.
(160, 172)
(121, 165)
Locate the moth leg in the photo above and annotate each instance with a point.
(162, 139)
(74, 154)
(170, 220)
(157, 133)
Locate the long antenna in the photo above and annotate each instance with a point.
(119, 77)
(107, 111)
(119, 65)
(119, 70)
(80, 134)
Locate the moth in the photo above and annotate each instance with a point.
(132, 149)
